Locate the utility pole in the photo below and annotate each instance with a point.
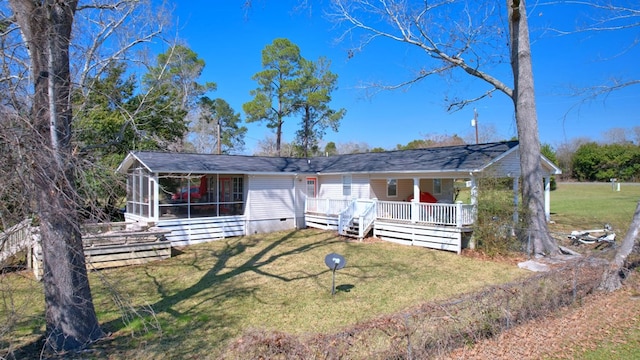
(474, 123)
(218, 128)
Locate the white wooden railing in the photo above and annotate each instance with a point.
(345, 217)
(326, 206)
(15, 239)
(440, 214)
(367, 217)
(363, 210)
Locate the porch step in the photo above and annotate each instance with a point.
(353, 229)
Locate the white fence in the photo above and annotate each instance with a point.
(458, 215)
(326, 206)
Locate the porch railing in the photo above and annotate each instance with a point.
(15, 239)
(345, 217)
(363, 211)
(440, 214)
(326, 206)
(367, 217)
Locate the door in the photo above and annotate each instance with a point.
(311, 190)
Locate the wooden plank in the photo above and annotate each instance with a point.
(119, 263)
(132, 248)
(434, 237)
(151, 253)
(419, 231)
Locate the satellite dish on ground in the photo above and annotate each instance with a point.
(334, 262)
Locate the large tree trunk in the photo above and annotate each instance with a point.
(70, 315)
(527, 124)
(612, 279)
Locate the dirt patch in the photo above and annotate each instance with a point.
(602, 317)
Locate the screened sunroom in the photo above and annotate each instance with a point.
(183, 195)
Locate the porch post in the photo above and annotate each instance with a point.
(154, 189)
(416, 199)
(516, 181)
(474, 197)
(547, 198)
(474, 191)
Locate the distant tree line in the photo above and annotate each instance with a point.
(596, 162)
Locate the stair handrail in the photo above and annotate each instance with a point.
(367, 217)
(345, 217)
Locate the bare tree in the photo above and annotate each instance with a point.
(565, 152)
(268, 147)
(616, 136)
(601, 16)
(70, 315)
(37, 56)
(466, 42)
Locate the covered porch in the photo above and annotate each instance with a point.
(433, 225)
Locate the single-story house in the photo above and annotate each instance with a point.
(403, 196)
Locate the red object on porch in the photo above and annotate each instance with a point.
(425, 197)
(203, 186)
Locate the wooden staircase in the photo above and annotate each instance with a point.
(352, 229)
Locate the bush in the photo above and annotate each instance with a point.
(494, 229)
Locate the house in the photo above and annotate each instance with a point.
(403, 196)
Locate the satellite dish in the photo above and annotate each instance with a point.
(334, 262)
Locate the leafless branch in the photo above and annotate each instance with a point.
(445, 46)
(459, 105)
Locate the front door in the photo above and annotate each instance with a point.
(311, 189)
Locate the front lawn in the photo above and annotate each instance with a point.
(193, 303)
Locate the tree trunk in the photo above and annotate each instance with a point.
(70, 315)
(527, 124)
(612, 279)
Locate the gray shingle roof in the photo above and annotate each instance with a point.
(450, 158)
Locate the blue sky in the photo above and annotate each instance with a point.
(230, 40)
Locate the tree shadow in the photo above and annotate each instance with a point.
(221, 276)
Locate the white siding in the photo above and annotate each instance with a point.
(507, 166)
(270, 197)
(330, 187)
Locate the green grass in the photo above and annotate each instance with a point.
(577, 206)
(192, 304)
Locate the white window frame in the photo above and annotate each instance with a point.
(437, 186)
(394, 187)
(314, 192)
(346, 185)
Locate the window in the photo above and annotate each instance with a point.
(392, 187)
(437, 186)
(138, 198)
(346, 185)
(238, 189)
(311, 187)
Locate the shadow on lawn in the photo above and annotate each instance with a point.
(185, 323)
(220, 276)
